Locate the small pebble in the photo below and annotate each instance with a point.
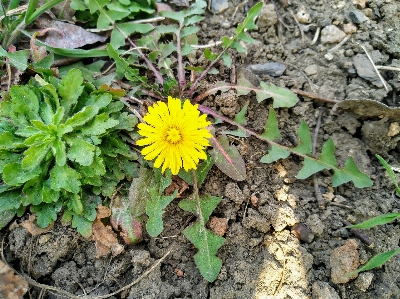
(218, 6)
(331, 34)
(328, 56)
(343, 260)
(357, 17)
(322, 290)
(302, 232)
(226, 24)
(311, 70)
(349, 28)
(349, 53)
(274, 69)
(363, 281)
(359, 3)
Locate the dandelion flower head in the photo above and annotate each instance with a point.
(175, 135)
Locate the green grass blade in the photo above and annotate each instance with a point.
(379, 220)
(390, 172)
(376, 261)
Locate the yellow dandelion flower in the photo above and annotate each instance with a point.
(175, 135)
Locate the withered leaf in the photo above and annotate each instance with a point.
(106, 239)
(11, 286)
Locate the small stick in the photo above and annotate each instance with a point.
(388, 68)
(313, 96)
(335, 48)
(320, 199)
(374, 66)
(316, 36)
(340, 205)
(358, 233)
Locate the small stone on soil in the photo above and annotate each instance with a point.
(322, 290)
(274, 69)
(363, 281)
(218, 6)
(343, 260)
(357, 17)
(331, 34)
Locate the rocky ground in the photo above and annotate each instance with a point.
(281, 242)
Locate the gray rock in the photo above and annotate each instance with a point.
(311, 69)
(218, 6)
(274, 69)
(366, 70)
(358, 17)
(363, 281)
(331, 34)
(322, 290)
(267, 17)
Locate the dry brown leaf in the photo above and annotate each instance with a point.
(11, 286)
(32, 228)
(177, 184)
(103, 212)
(106, 239)
(73, 36)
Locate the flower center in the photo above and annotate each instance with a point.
(173, 135)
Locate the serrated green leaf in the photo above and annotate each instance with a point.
(32, 191)
(390, 172)
(206, 203)
(74, 204)
(97, 168)
(9, 141)
(19, 59)
(228, 159)
(70, 89)
(7, 157)
(208, 244)
(201, 172)
(82, 225)
(10, 200)
(240, 118)
(80, 151)
(15, 175)
(158, 202)
(25, 102)
(100, 124)
(271, 130)
(178, 16)
(226, 58)
(188, 31)
(118, 38)
(208, 55)
(46, 213)
(6, 217)
(377, 261)
(351, 172)
(59, 151)
(65, 178)
(327, 154)
(310, 166)
(274, 154)
(127, 121)
(49, 195)
(34, 155)
(379, 220)
(304, 143)
(90, 203)
(82, 117)
(283, 97)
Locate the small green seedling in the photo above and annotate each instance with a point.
(381, 258)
